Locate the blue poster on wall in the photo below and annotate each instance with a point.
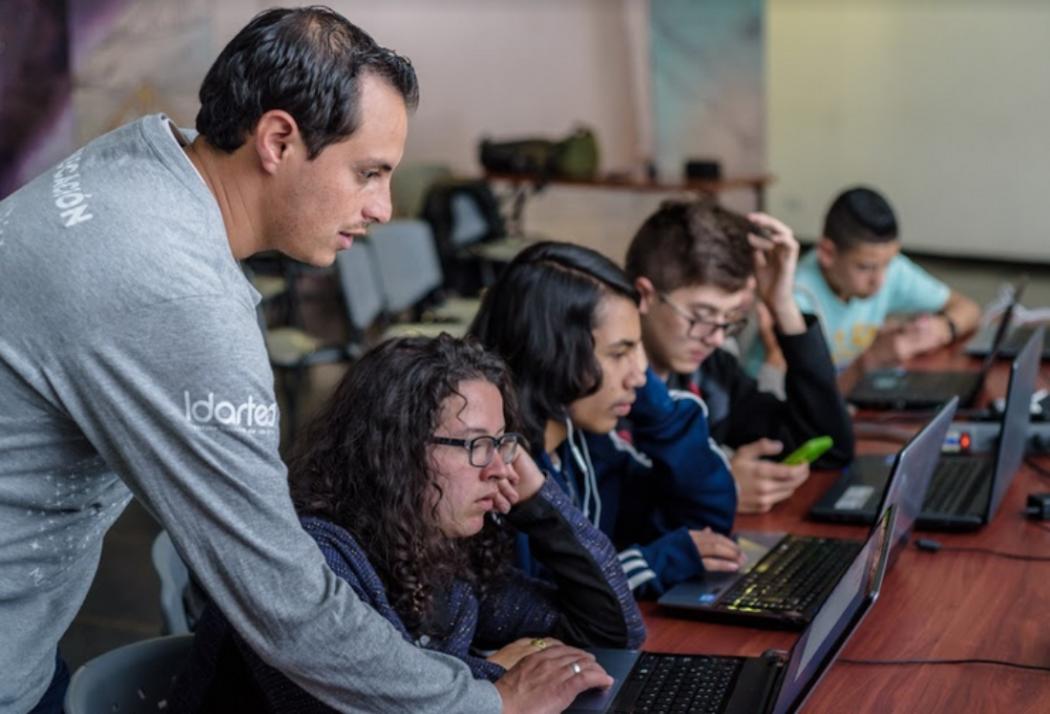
(707, 85)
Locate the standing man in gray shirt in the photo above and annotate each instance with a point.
(131, 363)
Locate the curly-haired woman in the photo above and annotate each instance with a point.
(412, 482)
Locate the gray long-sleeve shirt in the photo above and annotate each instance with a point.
(131, 362)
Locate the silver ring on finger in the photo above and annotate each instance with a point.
(576, 668)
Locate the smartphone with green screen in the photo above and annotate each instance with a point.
(809, 452)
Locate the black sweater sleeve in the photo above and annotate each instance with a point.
(813, 406)
(590, 603)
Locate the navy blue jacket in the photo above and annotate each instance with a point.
(647, 493)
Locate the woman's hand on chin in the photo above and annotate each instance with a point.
(524, 478)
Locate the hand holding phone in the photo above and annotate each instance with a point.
(809, 451)
(761, 482)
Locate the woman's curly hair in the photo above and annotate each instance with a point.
(363, 463)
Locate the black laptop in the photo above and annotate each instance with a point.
(981, 343)
(904, 389)
(789, 576)
(966, 489)
(776, 682)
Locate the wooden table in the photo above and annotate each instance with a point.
(947, 605)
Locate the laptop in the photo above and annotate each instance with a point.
(966, 489)
(904, 389)
(981, 343)
(789, 576)
(776, 682)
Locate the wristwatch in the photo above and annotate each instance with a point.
(953, 331)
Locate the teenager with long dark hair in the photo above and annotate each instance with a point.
(565, 319)
(413, 482)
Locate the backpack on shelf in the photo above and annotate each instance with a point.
(574, 157)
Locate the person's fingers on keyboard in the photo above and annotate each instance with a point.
(717, 565)
(549, 680)
(717, 552)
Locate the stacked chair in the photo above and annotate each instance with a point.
(471, 236)
(392, 285)
(131, 679)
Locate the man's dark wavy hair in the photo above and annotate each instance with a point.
(538, 317)
(362, 463)
(306, 61)
(692, 244)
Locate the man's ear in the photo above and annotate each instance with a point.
(827, 252)
(647, 291)
(276, 137)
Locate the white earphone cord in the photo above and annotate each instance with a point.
(590, 480)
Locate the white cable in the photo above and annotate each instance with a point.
(592, 474)
(578, 458)
(590, 478)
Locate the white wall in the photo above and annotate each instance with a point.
(505, 67)
(945, 106)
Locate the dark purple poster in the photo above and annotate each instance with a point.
(35, 88)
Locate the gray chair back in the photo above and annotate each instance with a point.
(359, 284)
(174, 579)
(407, 262)
(134, 678)
(468, 224)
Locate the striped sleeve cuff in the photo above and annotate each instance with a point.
(635, 568)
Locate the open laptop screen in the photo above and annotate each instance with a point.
(1014, 431)
(836, 619)
(912, 472)
(1003, 329)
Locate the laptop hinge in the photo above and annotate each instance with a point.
(757, 683)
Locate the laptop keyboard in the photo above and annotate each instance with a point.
(954, 485)
(795, 576)
(661, 683)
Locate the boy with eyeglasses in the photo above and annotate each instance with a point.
(699, 269)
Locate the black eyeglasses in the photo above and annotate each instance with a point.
(698, 327)
(482, 449)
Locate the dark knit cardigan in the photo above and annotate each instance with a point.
(588, 604)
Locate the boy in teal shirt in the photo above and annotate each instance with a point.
(856, 279)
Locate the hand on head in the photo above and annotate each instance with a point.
(775, 257)
(718, 553)
(763, 483)
(776, 254)
(549, 679)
